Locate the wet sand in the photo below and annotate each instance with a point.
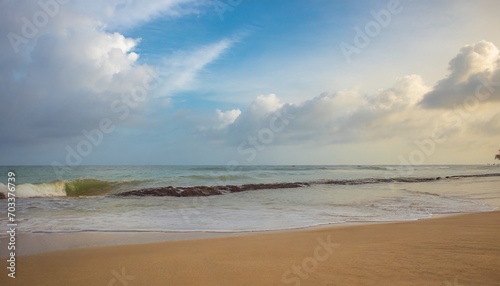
(455, 250)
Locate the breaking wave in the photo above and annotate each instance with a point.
(74, 188)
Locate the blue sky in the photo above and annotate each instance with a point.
(263, 82)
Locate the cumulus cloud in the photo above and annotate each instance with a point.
(407, 111)
(407, 91)
(265, 104)
(61, 80)
(351, 115)
(340, 117)
(63, 76)
(474, 76)
(227, 117)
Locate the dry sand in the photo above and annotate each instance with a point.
(450, 251)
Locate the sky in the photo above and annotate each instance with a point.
(236, 82)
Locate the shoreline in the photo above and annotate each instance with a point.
(45, 242)
(451, 250)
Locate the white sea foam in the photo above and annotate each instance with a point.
(54, 189)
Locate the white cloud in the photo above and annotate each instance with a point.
(125, 13)
(351, 116)
(391, 121)
(406, 91)
(474, 69)
(64, 77)
(344, 116)
(227, 117)
(178, 71)
(265, 104)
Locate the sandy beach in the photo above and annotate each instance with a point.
(455, 250)
(233, 142)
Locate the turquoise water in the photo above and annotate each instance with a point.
(82, 198)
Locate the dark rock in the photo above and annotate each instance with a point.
(2, 196)
(199, 191)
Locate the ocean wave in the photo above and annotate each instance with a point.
(400, 167)
(220, 177)
(87, 187)
(53, 189)
(76, 188)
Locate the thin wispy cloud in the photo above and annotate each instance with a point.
(178, 71)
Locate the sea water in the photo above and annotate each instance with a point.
(85, 198)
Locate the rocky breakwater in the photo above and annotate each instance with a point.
(198, 191)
